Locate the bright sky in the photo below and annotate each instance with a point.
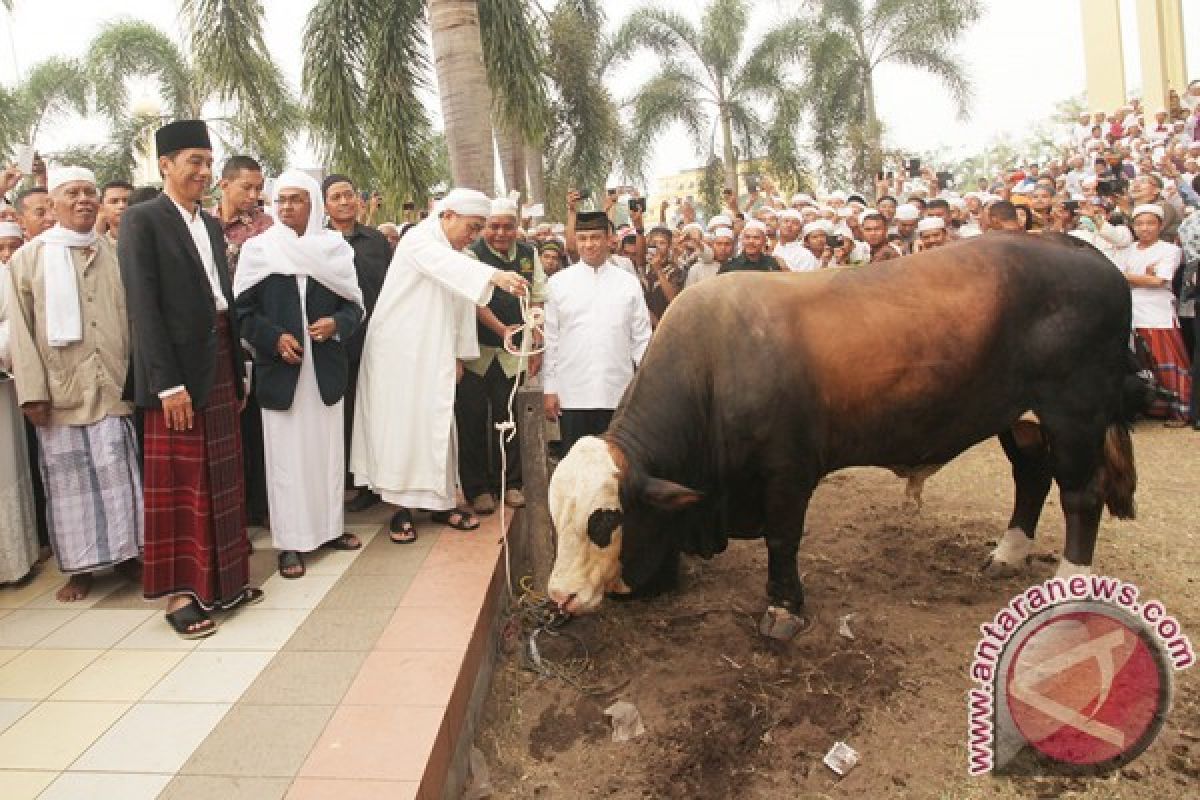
(1023, 57)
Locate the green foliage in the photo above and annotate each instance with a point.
(515, 61)
(50, 90)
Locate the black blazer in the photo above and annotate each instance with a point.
(271, 308)
(170, 302)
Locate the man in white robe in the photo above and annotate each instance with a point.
(298, 302)
(423, 328)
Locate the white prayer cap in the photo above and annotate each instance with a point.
(719, 221)
(722, 233)
(503, 207)
(10, 230)
(813, 227)
(802, 198)
(845, 211)
(1148, 208)
(559, 228)
(931, 224)
(767, 210)
(824, 210)
(907, 212)
(791, 213)
(957, 202)
(754, 225)
(467, 202)
(692, 226)
(838, 195)
(63, 175)
(844, 230)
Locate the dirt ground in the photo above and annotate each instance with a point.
(729, 714)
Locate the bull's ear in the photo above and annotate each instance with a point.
(601, 525)
(669, 496)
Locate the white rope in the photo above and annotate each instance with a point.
(532, 325)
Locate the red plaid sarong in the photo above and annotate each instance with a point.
(195, 516)
(1172, 370)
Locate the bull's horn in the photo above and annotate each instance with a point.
(668, 495)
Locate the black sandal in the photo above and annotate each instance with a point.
(402, 524)
(461, 522)
(291, 564)
(347, 541)
(248, 597)
(191, 621)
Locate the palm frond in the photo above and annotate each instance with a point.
(335, 53)
(127, 49)
(948, 69)
(513, 54)
(722, 32)
(665, 33)
(53, 87)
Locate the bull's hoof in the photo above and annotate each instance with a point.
(995, 568)
(780, 624)
(1011, 556)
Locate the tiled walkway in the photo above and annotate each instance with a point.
(337, 685)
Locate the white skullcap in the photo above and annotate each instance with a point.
(791, 213)
(824, 210)
(813, 227)
(467, 202)
(754, 225)
(907, 212)
(692, 226)
(1148, 208)
(845, 211)
(957, 202)
(69, 174)
(844, 230)
(719, 221)
(10, 230)
(803, 198)
(558, 228)
(931, 224)
(723, 233)
(766, 210)
(503, 207)
(838, 195)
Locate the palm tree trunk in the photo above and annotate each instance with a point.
(512, 161)
(874, 132)
(730, 156)
(463, 88)
(535, 166)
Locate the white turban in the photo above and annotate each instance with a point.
(907, 212)
(931, 224)
(845, 211)
(754, 225)
(802, 199)
(10, 230)
(63, 175)
(1148, 208)
(502, 207)
(791, 213)
(692, 226)
(838, 195)
(467, 202)
(813, 227)
(718, 221)
(767, 211)
(722, 233)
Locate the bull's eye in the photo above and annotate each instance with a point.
(601, 525)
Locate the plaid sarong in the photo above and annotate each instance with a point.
(1172, 371)
(195, 516)
(93, 493)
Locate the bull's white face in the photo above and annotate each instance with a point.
(584, 483)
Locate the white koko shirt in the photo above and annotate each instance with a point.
(597, 330)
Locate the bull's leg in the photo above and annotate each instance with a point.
(1078, 460)
(1032, 474)
(786, 509)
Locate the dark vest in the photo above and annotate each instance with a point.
(506, 307)
(740, 263)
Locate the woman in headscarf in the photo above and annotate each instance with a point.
(298, 301)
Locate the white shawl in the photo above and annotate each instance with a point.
(320, 254)
(64, 319)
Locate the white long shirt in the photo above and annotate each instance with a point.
(199, 231)
(597, 330)
(797, 257)
(1153, 308)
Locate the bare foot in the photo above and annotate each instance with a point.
(130, 570)
(75, 589)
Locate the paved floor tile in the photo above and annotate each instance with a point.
(96, 629)
(155, 634)
(462, 590)
(384, 557)
(102, 786)
(254, 629)
(340, 630)
(321, 789)
(210, 787)
(306, 592)
(303, 678)
(210, 677)
(367, 591)
(102, 586)
(37, 674)
(381, 743)
(18, 785)
(120, 676)
(13, 710)
(260, 741)
(431, 628)
(152, 737)
(46, 577)
(24, 628)
(402, 678)
(8, 655)
(53, 735)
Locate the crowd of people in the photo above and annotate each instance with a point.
(174, 373)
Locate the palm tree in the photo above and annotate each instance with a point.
(49, 90)
(850, 39)
(709, 79)
(464, 91)
(226, 74)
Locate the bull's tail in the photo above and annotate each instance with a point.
(1119, 473)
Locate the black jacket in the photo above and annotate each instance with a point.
(271, 308)
(170, 303)
(372, 256)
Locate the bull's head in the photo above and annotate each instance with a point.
(593, 525)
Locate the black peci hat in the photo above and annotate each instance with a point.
(592, 221)
(181, 135)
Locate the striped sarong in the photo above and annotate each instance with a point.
(195, 513)
(93, 493)
(1172, 371)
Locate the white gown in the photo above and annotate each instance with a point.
(403, 442)
(18, 525)
(304, 453)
